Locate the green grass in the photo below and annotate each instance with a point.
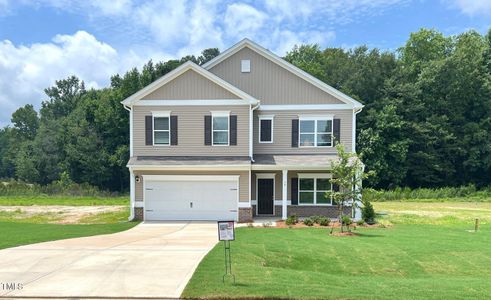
(401, 262)
(62, 200)
(16, 234)
(436, 213)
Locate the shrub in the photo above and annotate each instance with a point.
(291, 220)
(346, 220)
(323, 221)
(360, 222)
(368, 213)
(308, 222)
(315, 219)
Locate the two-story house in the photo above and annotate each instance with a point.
(247, 134)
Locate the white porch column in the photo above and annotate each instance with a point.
(132, 196)
(284, 194)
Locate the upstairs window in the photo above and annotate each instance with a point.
(316, 132)
(161, 129)
(220, 129)
(265, 129)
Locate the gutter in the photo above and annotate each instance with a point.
(251, 129)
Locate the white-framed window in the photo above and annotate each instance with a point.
(312, 189)
(316, 131)
(161, 128)
(266, 129)
(220, 128)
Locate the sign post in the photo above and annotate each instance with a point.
(226, 233)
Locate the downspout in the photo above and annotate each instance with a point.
(357, 207)
(132, 175)
(353, 142)
(251, 145)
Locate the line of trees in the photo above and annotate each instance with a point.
(426, 121)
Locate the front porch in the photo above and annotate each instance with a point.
(285, 185)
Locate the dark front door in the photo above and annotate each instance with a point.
(265, 201)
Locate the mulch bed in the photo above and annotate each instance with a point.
(300, 224)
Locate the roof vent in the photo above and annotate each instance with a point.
(245, 66)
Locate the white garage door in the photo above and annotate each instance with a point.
(191, 197)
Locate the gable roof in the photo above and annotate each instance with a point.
(286, 65)
(189, 65)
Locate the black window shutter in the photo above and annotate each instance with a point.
(294, 191)
(336, 130)
(207, 130)
(295, 133)
(233, 130)
(148, 130)
(173, 130)
(265, 130)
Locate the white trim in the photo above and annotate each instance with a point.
(281, 62)
(276, 202)
(220, 114)
(189, 65)
(316, 175)
(265, 176)
(190, 177)
(353, 128)
(270, 118)
(132, 196)
(217, 102)
(284, 193)
(259, 167)
(131, 132)
(160, 114)
(315, 132)
(164, 113)
(188, 167)
(244, 204)
(316, 117)
(306, 107)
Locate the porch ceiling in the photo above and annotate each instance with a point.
(292, 161)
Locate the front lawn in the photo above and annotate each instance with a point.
(399, 262)
(16, 234)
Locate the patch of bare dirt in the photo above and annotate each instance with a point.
(335, 224)
(345, 233)
(64, 214)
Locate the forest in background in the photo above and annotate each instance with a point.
(426, 121)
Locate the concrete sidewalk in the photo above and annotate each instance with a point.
(149, 260)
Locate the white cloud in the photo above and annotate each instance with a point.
(243, 20)
(161, 30)
(472, 7)
(25, 71)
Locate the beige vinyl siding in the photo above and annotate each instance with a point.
(243, 180)
(277, 185)
(282, 132)
(190, 131)
(190, 86)
(269, 82)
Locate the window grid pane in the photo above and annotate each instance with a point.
(306, 197)
(266, 135)
(220, 138)
(161, 123)
(220, 123)
(161, 137)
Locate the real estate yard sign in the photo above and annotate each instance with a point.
(226, 233)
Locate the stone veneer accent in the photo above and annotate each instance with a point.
(139, 213)
(307, 211)
(245, 214)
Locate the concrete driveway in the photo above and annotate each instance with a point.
(149, 260)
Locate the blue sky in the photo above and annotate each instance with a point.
(45, 40)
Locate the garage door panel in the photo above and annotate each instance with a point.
(191, 200)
